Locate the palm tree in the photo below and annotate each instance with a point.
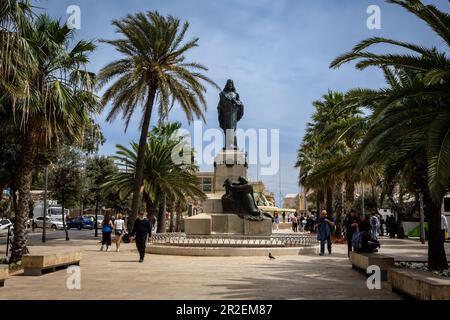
(53, 100)
(163, 178)
(153, 69)
(412, 114)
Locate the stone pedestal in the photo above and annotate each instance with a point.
(258, 228)
(229, 164)
(212, 206)
(198, 225)
(222, 223)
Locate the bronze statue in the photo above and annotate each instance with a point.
(231, 110)
(239, 199)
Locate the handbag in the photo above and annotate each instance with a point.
(126, 238)
(107, 228)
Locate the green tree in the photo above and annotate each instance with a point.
(164, 179)
(45, 91)
(153, 68)
(65, 179)
(410, 123)
(97, 170)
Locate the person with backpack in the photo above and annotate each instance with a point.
(374, 224)
(363, 241)
(107, 229)
(142, 229)
(119, 230)
(324, 231)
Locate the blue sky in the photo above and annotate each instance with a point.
(277, 52)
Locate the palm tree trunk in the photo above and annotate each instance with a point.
(139, 174)
(149, 206)
(14, 206)
(24, 179)
(178, 211)
(172, 217)
(320, 201)
(329, 205)
(162, 216)
(437, 259)
(339, 209)
(349, 195)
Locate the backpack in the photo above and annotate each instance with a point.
(357, 240)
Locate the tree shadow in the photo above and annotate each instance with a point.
(318, 279)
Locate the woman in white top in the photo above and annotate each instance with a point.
(119, 230)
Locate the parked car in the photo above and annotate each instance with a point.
(4, 225)
(100, 219)
(50, 222)
(80, 223)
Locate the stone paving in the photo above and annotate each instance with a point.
(118, 275)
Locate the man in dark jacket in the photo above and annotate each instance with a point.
(351, 222)
(324, 231)
(142, 229)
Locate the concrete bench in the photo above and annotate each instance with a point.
(420, 284)
(362, 261)
(35, 264)
(4, 272)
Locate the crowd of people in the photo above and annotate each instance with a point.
(299, 222)
(361, 233)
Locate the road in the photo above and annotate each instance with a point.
(36, 237)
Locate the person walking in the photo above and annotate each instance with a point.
(382, 225)
(107, 228)
(119, 230)
(276, 221)
(142, 229)
(374, 224)
(392, 227)
(444, 227)
(324, 231)
(284, 217)
(294, 222)
(351, 222)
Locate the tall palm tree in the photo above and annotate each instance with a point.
(56, 101)
(153, 69)
(415, 111)
(163, 178)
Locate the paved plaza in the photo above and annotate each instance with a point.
(118, 275)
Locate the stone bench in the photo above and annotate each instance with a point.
(362, 261)
(4, 272)
(35, 264)
(420, 284)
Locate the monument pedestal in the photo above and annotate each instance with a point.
(223, 223)
(229, 164)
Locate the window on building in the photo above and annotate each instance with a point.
(207, 184)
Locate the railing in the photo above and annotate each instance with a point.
(224, 240)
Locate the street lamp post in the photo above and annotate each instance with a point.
(45, 205)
